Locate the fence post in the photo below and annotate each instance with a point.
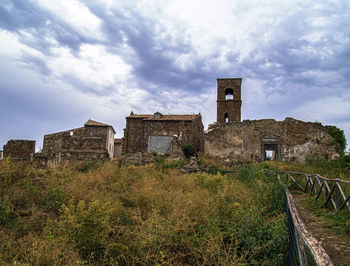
(336, 196)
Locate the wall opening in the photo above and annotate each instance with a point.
(71, 133)
(226, 118)
(91, 133)
(271, 152)
(229, 94)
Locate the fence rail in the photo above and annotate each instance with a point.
(300, 239)
(335, 191)
(304, 248)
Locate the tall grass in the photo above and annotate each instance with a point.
(102, 213)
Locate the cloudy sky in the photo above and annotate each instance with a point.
(63, 62)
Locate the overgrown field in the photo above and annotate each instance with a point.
(107, 213)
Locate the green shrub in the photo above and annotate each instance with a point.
(87, 227)
(54, 200)
(88, 166)
(8, 217)
(189, 151)
(339, 138)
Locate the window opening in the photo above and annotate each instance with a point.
(229, 94)
(91, 133)
(71, 133)
(226, 118)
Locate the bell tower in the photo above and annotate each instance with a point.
(229, 101)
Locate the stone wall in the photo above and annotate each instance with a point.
(20, 149)
(231, 107)
(139, 129)
(290, 139)
(80, 144)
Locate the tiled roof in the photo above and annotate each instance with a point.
(147, 117)
(97, 124)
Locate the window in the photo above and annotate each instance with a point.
(91, 133)
(229, 94)
(226, 118)
(71, 133)
(157, 115)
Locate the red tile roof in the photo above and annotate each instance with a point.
(185, 117)
(97, 124)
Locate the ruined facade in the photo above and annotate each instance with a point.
(265, 139)
(268, 139)
(162, 133)
(94, 141)
(19, 150)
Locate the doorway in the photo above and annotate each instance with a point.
(270, 151)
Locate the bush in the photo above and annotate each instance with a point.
(85, 167)
(86, 227)
(189, 151)
(8, 217)
(339, 138)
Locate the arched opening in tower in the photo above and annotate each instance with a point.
(229, 94)
(226, 118)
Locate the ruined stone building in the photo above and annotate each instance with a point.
(162, 133)
(265, 139)
(19, 150)
(93, 141)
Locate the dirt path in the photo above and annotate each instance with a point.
(335, 245)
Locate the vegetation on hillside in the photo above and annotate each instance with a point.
(107, 213)
(330, 169)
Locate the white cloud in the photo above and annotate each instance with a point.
(75, 14)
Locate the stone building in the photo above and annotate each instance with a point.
(93, 141)
(19, 150)
(265, 139)
(162, 133)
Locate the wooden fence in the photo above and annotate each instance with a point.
(334, 191)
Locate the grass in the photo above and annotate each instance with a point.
(337, 221)
(326, 168)
(106, 213)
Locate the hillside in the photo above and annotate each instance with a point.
(108, 213)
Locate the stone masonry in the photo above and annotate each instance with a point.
(94, 141)
(265, 139)
(19, 149)
(184, 129)
(229, 100)
(287, 140)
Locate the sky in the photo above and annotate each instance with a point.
(63, 62)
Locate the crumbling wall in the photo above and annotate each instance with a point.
(138, 130)
(80, 144)
(293, 139)
(19, 149)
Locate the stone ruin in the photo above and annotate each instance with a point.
(228, 138)
(19, 150)
(159, 133)
(266, 139)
